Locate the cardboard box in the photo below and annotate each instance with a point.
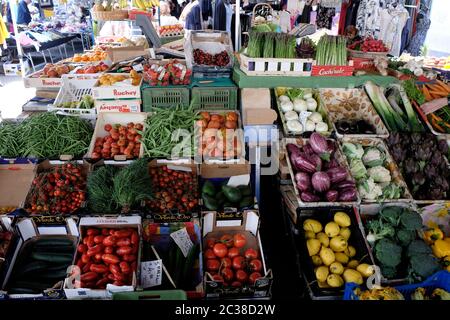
(158, 234)
(214, 226)
(332, 71)
(14, 68)
(15, 182)
(35, 81)
(31, 229)
(116, 222)
(115, 118)
(133, 105)
(125, 53)
(256, 107)
(117, 91)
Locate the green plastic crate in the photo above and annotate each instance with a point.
(164, 97)
(151, 295)
(214, 98)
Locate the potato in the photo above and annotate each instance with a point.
(351, 275)
(316, 260)
(336, 268)
(323, 285)
(365, 269)
(342, 219)
(341, 257)
(345, 232)
(350, 251)
(310, 235)
(322, 274)
(312, 225)
(332, 229)
(338, 244)
(323, 238)
(313, 246)
(327, 256)
(335, 281)
(353, 264)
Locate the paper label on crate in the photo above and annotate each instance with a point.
(151, 273)
(241, 180)
(161, 75)
(179, 168)
(303, 117)
(182, 239)
(138, 67)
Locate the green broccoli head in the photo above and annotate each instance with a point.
(379, 230)
(421, 266)
(405, 237)
(388, 253)
(418, 247)
(388, 272)
(391, 215)
(411, 220)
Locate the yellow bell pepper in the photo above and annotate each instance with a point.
(448, 268)
(441, 248)
(432, 235)
(447, 239)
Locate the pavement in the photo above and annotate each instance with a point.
(13, 95)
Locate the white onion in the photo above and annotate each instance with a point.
(312, 104)
(291, 115)
(300, 105)
(321, 127)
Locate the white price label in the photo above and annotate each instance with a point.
(138, 67)
(182, 239)
(151, 273)
(304, 115)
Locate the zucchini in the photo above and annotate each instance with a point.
(54, 242)
(57, 249)
(35, 266)
(189, 265)
(53, 257)
(178, 266)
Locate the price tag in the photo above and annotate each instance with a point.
(182, 239)
(151, 273)
(138, 67)
(161, 75)
(303, 117)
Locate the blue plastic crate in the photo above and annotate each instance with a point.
(440, 279)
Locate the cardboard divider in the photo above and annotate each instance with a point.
(15, 182)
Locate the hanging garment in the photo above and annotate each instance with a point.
(305, 17)
(220, 16)
(342, 16)
(325, 17)
(418, 38)
(352, 13)
(194, 18)
(206, 7)
(405, 36)
(229, 15)
(392, 22)
(23, 13)
(368, 19)
(4, 34)
(186, 10)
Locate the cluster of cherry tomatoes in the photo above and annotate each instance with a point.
(229, 260)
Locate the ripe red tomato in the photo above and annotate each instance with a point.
(212, 264)
(236, 284)
(255, 265)
(253, 277)
(238, 262)
(226, 262)
(220, 250)
(210, 243)
(209, 254)
(227, 274)
(217, 277)
(239, 240)
(227, 239)
(233, 252)
(251, 254)
(241, 276)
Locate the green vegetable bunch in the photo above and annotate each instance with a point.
(394, 238)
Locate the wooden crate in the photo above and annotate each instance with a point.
(276, 66)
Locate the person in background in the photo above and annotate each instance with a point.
(23, 13)
(166, 19)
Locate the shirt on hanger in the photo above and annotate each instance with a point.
(392, 22)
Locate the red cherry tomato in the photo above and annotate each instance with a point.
(255, 265)
(226, 262)
(210, 243)
(220, 250)
(209, 254)
(227, 239)
(233, 252)
(236, 284)
(241, 276)
(251, 254)
(239, 240)
(217, 277)
(212, 264)
(227, 274)
(253, 277)
(238, 262)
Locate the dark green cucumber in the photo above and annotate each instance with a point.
(56, 249)
(59, 274)
(58, 267)
(33, 284)
(53, 242)
(18, 290)
(188, 266)
(179, 261)
(35, 266)
(53, 257)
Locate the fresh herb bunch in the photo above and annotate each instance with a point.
(100, 190)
